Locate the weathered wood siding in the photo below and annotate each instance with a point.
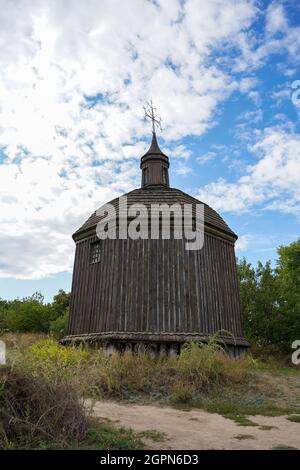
(155, 286)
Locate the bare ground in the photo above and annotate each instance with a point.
(198, 429)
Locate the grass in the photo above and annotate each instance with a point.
(198, 371)
(241, 403)
(200, 377)
(99, 436)
(109, 437)
(264, 394)
(104, 435)
(21, 340)
(294, 418)
(153, 435)
(240, 420)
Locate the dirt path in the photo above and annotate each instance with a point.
(201, 430)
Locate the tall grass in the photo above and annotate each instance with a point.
(197, 370)
(44, 388)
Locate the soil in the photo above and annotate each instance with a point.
(197, 429)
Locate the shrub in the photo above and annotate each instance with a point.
(58, 327)
(29, 316)
(48, 357)
(32, 315)
(202, 367)
(183, 394)
(34, 410)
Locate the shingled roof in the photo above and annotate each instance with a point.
(163, 195)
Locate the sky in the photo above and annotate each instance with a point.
(74, 76)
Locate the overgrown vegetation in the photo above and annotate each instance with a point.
(35, 410)
(200, 368)
(31, 314)
(45, 384)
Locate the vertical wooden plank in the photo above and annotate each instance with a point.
(73, 314)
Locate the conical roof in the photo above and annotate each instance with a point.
(154, 148)
(162, 195)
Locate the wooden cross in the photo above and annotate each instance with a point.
(150, 113)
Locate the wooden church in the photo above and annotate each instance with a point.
(128, 293)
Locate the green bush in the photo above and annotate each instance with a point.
(203, 366)
(48, 356)
(59, 326)
(32, 315)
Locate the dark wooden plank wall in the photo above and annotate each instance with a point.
(155, 286)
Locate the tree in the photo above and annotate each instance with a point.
(61, 303)
(248, 287)
(31, 314)
(28, 315)
(3, 314)
(288, 275)
(270, 299)
(265, 324)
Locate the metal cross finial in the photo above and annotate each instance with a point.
(150, 113)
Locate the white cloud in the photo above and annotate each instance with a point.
(281, 93)
(274, 180)
(182, 169)
(64, 156)
(250, 117)
(206, 157)
(276, 20)
(242, 243)
(279, 37)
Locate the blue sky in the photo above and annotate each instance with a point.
(223, 75)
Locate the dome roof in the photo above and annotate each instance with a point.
(162, 195)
